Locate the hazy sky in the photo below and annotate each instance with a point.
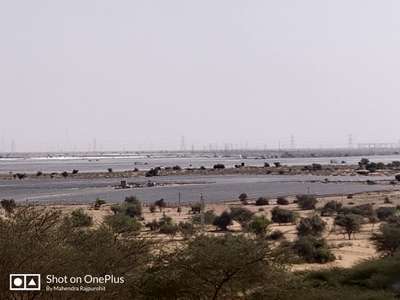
(141, 74)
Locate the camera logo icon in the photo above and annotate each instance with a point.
(24, 282)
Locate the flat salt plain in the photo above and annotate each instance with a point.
(214, 188)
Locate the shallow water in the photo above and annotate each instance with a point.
(124, 163)
(213, 188)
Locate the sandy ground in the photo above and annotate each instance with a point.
(347, 252)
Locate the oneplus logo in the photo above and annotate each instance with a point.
(24, 282)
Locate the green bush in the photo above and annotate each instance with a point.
(311, 226)
(123, 224)
(313, 250)
(8, 205)
(384, 213)
(132, 207)
(209, 217)
(365, 210)
(241, 215)
(153, 225)
(388, 240)
(187, 229)
(350, 223)
(330, 208)
(282, 201)
(212, 267)
(262, 201)
(195, 208)
(276, 235)
(79, 218)
(243, 197)
(38, 240)
(306, 202)
(168, 228)
(98, 203)
(280, 216)
(219, 166)
(160, 204)
(153, 172)
(259, 225)
(223, 221)
(152, 208)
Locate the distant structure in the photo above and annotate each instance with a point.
(183, 144)
(13, 146)
(377, 145)
(292, 142)
(94, 148)
(3, 148)
(350, 141)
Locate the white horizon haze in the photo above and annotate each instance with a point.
(139, 75)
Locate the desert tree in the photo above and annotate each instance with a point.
(223, 221)
(351, 223)
(314, 226)
(388, 240)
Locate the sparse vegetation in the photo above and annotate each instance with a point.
(133, 207)
(384, 213)
(209, 217)
(123, 224)
(261, 201)
(20, 176)
(311, 226)
(259, 225)
(306, 202)
(219, 166)
(330, 208)
(350, 223)
(187, 229)
(364, 210)
(282, 201)
(313, 250)
(243, 198)
(240, 264)
(152, 208)
(276, 235)
(160, 204)
(241, 215)
(79, 218)
(223, 221)
(153, 172)
(195, 208)
(167, 226)
(98, 203)
(281, 216)
(388, 240)
(8, 205)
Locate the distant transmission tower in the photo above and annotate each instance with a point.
(183, 144)
(292, 142)
(3, 147)
(350, 141)
(13, 147)
(94, 145)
